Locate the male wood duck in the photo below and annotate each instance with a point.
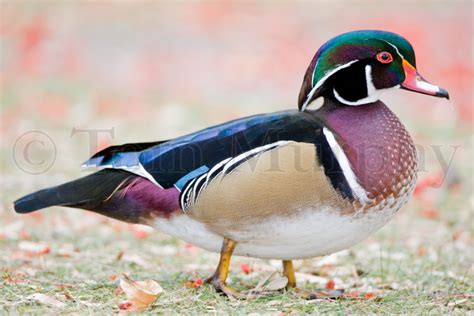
(285, 185)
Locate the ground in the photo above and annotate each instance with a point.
(419, 263)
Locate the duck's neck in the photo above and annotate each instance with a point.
(377, 146)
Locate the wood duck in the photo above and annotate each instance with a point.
(285, 185)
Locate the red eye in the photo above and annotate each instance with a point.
(384, 57)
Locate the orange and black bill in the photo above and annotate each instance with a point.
(415, 82)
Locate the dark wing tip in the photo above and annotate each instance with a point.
(26, 204)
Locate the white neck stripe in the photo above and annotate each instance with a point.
(372, 94)
(345, 165)
(322, 80)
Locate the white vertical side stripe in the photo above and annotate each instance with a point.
(240, 157)
(345, 165)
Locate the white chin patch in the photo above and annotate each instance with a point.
(373, 94)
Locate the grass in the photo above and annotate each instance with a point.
(406, 272)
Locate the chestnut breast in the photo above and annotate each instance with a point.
(378, 147)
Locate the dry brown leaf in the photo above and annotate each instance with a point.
(127, 305)
(141, 294)
(277, 284)
(45, 299)
(264, 280)
(191, 284)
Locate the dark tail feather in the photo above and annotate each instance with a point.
(87, 193)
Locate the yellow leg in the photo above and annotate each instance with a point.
(218, 279)
(289, 272)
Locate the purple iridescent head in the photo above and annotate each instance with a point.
(353, 68)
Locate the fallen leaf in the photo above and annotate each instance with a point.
(330, 284)
(34, 248)
(191, 284)
(434, 180)
(140, 234)
(246, 268)
(11, 280)
(141, 231)
(318, 294)
(68, 296)
(45, 299)
(264, 280)
(119, 255)
(457, 302)
(140, 293)
(421, 250)
(198, 281)
(261, 286)
(325, 269)
(118, 291)
(274, 303)
(352, 295)
(309, 278)
(276, 284)
(67, 250)
(126, 305)
(24, 234)
(430, 213)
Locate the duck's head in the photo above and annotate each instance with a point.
(353, 68)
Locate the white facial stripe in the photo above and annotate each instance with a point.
(371, 91)
(372, 94)
(322, 80)
(396, 48)
(345, 165)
